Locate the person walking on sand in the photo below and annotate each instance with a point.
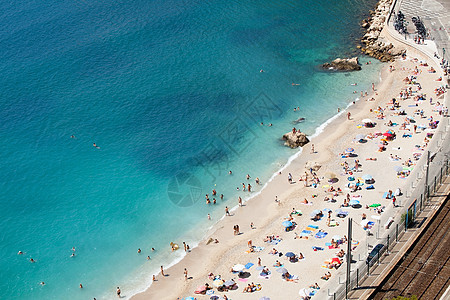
(348, 115)
(162, 271)
(227, 212)
(118, 291)
(312, 149)
(240, 201)
(185, 274)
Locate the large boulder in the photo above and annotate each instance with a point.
(343, 64)
(294, 140)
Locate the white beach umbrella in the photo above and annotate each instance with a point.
(365, 121)
(238, 267)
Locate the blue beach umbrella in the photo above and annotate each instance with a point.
(367, 177)
(398, 168)
(287, 224)
(290, 254)
(349, 150)
(353, 202)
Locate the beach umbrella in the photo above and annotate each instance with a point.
(364, 222)
(314, 213)
(327, 210)
(366, 121)
(375, 205)
(336, 237)
(330, 175)
(290, 254)
(349, 150)
(229, 283)
(282, 270)
(218, 282)
(353, 202)
(387, 134)
(367, 177)
(360, 136)
(287, 223)
(238, 267)
(341, 213)
(303, 293)
(398, 169)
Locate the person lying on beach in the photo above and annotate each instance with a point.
(273, 251)
(277, 264)
(315, 286)
(326, 276)
(247, 289)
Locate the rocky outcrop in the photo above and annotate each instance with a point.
(372, 46)
(343, 64)
(294, 140)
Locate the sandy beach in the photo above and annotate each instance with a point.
(336, 146)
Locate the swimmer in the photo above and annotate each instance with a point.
(229, 172)
(20, 253)
(81, 286)
(153, 249)
(32, 260)
(42, 283)
(295, 84)
(270, 125)
(261, 71)
(72, 136)
(139, 250)
(209, 217)
(95, 145)
(73, 249)
(148, 257)
(72, 255)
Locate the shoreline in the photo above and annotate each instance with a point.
(272, 211)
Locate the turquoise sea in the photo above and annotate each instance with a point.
(172, 94)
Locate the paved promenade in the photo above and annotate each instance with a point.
(435, 15)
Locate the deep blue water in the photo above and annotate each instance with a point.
(172, 93)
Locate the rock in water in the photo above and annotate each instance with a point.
(295, 140)
(343, 64)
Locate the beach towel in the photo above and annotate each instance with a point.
(332, 247)
(248, 265)
(314, 226)
(305, 233)
(370, 187)
(243, 279)
(315, 248)
(333, 224)
(320, 235)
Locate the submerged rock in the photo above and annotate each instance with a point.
(343, 64)
(294, 140)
